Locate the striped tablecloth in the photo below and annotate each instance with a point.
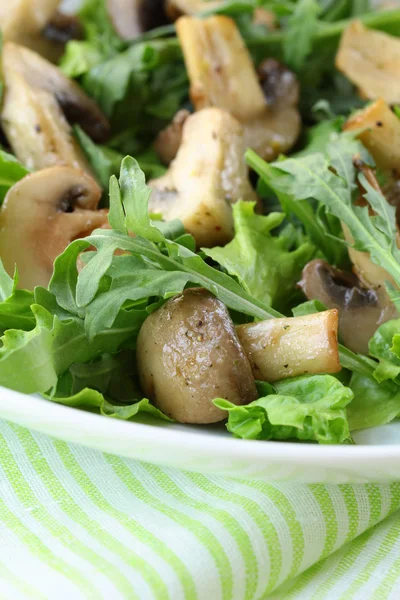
(79, 524)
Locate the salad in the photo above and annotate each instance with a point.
(199, 211)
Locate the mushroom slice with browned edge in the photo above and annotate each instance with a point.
(24, 22)
(361, 310)
(371, 60)
(188, 354)
(38, 103)
(222, 74)
(41, 215)
(169, 139)
(208, 175)
(289, 347)
(133, 17)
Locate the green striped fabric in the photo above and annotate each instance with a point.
(79, 524)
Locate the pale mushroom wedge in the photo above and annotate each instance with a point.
(222, 74)
(24, 21)
(177, 8)
(208, 175)
(41, 215)
(371, 60)
(39, 101)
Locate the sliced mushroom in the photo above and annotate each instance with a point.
(41, 215)
(38, 103)
(379, 131)
(133, 17)
(62, 28)
(281, 348)
(177, 8)
(188, 354)
(371, 60)
(208, 175)
(222, 74)
(169, 139)
(361, 310)
(24, 22)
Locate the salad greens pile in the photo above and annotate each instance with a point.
(74, 342)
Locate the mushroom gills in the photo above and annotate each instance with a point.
(188, 354)
(222, 74)
(38, 100)
(45, 211)
(208, 175)
(361, 310)
(133, 17)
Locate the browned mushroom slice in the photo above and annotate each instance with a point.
(62, 28)
(45, 211)
(379, 131)
(38, 103)
(222, 74)
(169, 139)
(289, 347)
(207, 176)
(188, 353)
(371, 60)
(133, 17)
(361, 310)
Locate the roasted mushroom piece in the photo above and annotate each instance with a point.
(361, 309)
(133, 17)
(188, 354)
(177, 8)
(23, 22)
(371, 60)
(222, 74)
(41, 215)
(169, 139)
(38, 103)
(208, 175)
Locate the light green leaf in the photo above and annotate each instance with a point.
(374, 404)
(311, 408)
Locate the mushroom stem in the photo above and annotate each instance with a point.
(288, 347)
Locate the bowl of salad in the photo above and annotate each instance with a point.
(199, 232)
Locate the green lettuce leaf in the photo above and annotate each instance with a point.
(267, 266)
(374, 404)
(380, 347)
(11, 171)
(304, 408)
(301, 28)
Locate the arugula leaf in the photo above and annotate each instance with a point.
(309, 408)
(103, 160)
(268, 267)
(11, 171)
(331, 180)
(301, 28)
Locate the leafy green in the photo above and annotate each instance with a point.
(380, 347)
(11, 171)
(301, 28)
(101, 41)
(267, 266)
(374, 404)
(309, 408)
(331, 180)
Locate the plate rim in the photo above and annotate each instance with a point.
(306, 454)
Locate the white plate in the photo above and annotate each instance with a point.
(211, 449)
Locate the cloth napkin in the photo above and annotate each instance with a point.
(78, 524)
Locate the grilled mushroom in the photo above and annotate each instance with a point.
(133, 17)
(222, 74)
(38, 103)
(41, 215)
(361, 309)
(207, 176)
(169, 139)
(188, 353)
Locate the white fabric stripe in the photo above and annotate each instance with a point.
(44, 497)
(117, 494)
(51, 577)
(109, 524)
(214, 584)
